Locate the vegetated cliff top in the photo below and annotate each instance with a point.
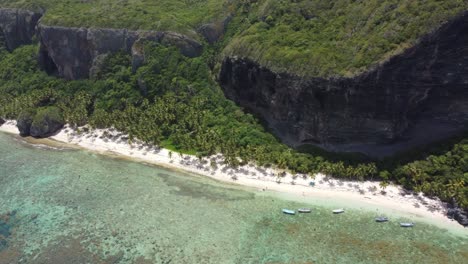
(318, 38)
(177, 15)
(327, 38)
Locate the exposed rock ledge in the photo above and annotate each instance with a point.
(72, 52)
(415, 98)
(17, 27)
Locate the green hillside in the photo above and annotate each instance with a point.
(177, 15)
(306, 37)
(328, 38)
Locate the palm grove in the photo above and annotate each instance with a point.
(173, 101)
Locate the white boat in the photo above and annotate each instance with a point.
(304, 210)
(289, 212)
(338, 211)
(381, 219)
(406, 224)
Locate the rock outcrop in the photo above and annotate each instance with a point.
(457, 213)
(17, 26)
(72, 52)
(43, 123)
(414, 98)
(213, 32)
(24, 122)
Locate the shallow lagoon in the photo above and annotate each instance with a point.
(73, 206)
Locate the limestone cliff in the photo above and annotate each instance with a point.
(414, 98)
(17, 27)
(72, 52)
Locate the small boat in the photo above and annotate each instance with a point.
(381, 219)
(338, 211)
(304, 210)
(289, 212)
(406, 224)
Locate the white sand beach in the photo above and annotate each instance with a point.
(367, 193)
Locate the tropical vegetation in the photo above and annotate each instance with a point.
(323, 38)
(177, 15)
(174, 102)
(319, 38)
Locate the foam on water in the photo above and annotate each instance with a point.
(73, 206)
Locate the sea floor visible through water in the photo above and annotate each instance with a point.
(72, 206)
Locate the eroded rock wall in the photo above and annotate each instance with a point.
(17, 26)
(72, 52)
(415, 98)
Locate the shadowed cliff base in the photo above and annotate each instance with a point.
(415, 98)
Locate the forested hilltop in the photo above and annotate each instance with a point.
(174, 101)
(334, 38)
(304, 37)
(177, 15)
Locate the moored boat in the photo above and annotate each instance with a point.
(381, 219)
(304, 210)
(338, 211)
(406, 224)
(289, 212)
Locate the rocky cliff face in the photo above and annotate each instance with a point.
(414, 98)
(17, 27)
(73, 52)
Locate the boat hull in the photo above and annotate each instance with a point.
(288, 212)
(381, 219)
(406, 224)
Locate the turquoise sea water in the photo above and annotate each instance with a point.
(73, 206)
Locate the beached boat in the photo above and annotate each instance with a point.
(304, 210)
(289, 212)
(381, 219)
(406, 224)
(338, 211)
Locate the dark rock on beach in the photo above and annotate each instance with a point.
(47, 122)
(44, 123)
(458, 214)
(24, 122)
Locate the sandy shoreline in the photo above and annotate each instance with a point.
(263, 179)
